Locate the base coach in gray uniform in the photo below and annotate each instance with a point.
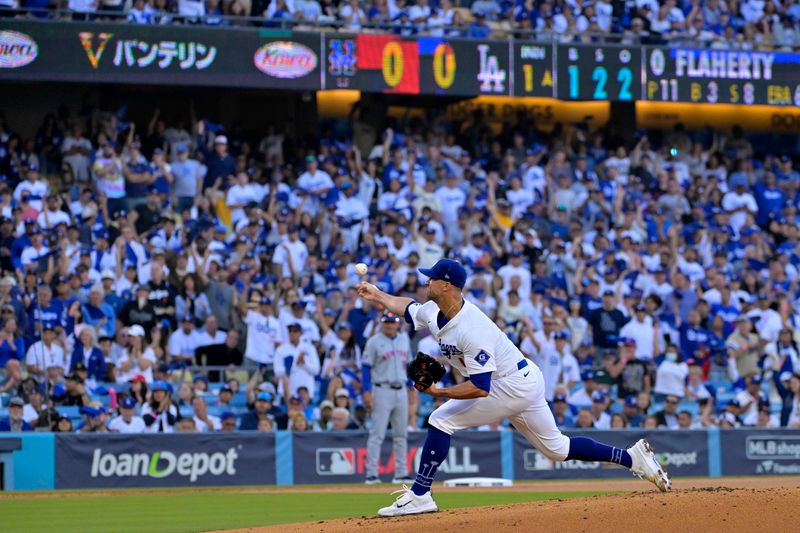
(386, 356)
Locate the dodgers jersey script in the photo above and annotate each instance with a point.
(470, 340)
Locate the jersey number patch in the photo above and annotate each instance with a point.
(482, 358)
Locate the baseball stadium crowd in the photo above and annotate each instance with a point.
(181, 276)
(747, 24)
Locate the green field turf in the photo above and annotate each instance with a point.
(205, 510)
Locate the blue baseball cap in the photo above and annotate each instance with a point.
(227, 415)
(631, 401)
(265, 396)
(159, 385)
(129, 402)
(598, 396)
(447, 270)
(559, 398)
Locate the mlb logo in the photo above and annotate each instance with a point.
(534, 461)
(336, 461)
(482, 358)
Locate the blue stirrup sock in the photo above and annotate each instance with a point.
(434, 452)
(586, 449)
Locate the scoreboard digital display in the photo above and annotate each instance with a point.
(393, 64)
(533, 70)
(722, 76)
(586, 72)
(425, 65)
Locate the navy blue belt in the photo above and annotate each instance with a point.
(522, 364)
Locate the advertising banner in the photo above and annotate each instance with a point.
(342, 457)
(760, 452)
(683, 453)
(392, 64)
(164, 460)
(175, 55)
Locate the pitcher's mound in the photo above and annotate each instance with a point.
(691, 510)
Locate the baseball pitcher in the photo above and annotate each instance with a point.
(502, 384)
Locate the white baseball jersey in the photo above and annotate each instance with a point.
(472, 343)
(136, 425)
(264, 333)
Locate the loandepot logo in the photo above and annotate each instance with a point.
(163, 464)
(677, 459)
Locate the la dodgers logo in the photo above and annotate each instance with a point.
(449, 350)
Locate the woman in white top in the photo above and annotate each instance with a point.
(137, 358)
(671, 374)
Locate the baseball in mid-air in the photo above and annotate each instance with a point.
(361, 269)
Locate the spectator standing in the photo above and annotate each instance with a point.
(183, 343)
(188, 178)
(744, 350)
(315, 183)
(642, 329)
(264, 331)
(76, 150)
(558, 365)
(296, 363)
(138, 177)
(671, 374)
(221, 166)
(606, 323)
(386, 356)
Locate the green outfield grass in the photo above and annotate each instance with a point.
(117, 512)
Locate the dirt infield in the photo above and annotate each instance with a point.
(731, 504)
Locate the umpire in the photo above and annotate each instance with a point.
(386, 356)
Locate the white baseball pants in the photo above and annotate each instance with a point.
(518, 397)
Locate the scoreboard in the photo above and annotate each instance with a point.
(607, 72)
(722, 76)
(36, 51)
(533, 69)
(425, 65)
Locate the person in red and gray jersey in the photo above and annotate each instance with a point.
(386, 356)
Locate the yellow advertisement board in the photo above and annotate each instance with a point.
(752, 118)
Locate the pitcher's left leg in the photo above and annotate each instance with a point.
(539, 427)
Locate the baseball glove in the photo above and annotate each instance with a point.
(424, 371)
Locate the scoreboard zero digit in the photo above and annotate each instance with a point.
(607, 72)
